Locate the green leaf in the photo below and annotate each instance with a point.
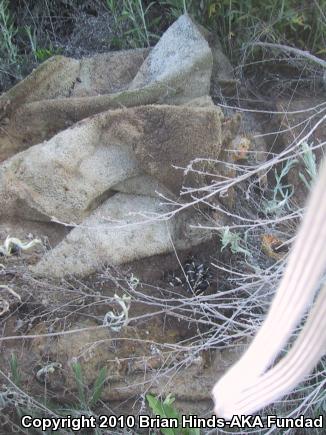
(15, 372)
(98, 386)
(80, 383)
(164, 410)
(42, 54)
(191, 431)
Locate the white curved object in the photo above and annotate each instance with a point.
(247, 386)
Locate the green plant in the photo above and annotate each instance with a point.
(88, 400)
(239, 21)
(131, 27)
(282, 191)
(166, 409)
(15, 371)
(178, 7)
(40, 54)
(38, 407)
(8, 31)
(235, 242)
(310, 166)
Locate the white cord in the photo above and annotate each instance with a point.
(247, 387)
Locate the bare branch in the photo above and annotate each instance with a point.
(292, 50)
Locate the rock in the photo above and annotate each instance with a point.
(174, 137)
(75, 154)
(108, 73)
(133, 357)
(53, 79)
(178, 69)
(222, 72)
(63, 177)
(90, 142)
(142, 185)
(121, 230)
(181, 61)
(69, 175)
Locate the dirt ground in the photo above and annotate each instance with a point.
(165, 348)
(149, 355)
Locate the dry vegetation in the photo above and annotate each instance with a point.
(247, 256)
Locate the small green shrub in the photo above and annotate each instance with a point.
(8, 31)
(235, 242)
(38, 407)
(298, 22)
(130, 23)
(29, 35)
(282, 191)
(166, 409)
(88, 400)
(40, 54)
(310, 166)
(14, 369)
